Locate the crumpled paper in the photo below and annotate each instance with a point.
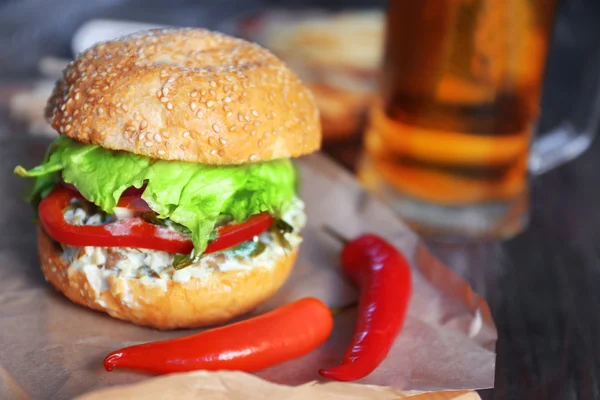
(52, 348)
(229, 385)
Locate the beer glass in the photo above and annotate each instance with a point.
(449, 141)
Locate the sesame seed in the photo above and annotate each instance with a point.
(130, 128)
(227, 99)
(216, 128)
(212, 93)
(212, 141)
(233, 128)
(253, 133)
(124, 107)
(77, 96)
(142, 136)
(260, 143)
(194, 94)
(253, 157)
(62, 107)
(68, 128)
(255, 113)
(164, 99)
(229, 114)
(222, 141)
(213, 84)
(246, 117)
(100, 110)
(186, 134)
(246, 127)
(161, 152)
(210, 103)
(149, 144)
(158, 93)
(256, 123)
(158, 138)
(143, 124)
(165, 91)
(199, 114)
(169, 106)
(213, 152)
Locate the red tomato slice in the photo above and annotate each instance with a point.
(135, 203)
(133, 191)
(135, 232)
(234, 234)
(130, 198)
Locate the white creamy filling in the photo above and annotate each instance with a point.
(155, 267)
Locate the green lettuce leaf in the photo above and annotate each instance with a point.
(190, 194)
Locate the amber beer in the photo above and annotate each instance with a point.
(459, 97)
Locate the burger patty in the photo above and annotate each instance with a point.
(152, 266)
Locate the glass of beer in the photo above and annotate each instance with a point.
(449, 142)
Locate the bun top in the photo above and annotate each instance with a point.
(186, 94)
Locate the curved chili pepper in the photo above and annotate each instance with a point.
(279, 335)
(384, 278)
(135, 232)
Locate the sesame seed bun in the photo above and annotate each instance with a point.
(194, 303)
(186, 94)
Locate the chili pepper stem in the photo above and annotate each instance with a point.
(335, 234)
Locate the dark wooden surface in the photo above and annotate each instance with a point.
(542, 287)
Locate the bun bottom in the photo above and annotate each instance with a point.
(170, 305)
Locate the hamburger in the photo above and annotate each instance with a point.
(169, 198)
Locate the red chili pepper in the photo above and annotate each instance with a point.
(135, 232)
(282, 334)
(384, 278)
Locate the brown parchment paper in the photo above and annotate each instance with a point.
(52, 348)
(230, 385)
